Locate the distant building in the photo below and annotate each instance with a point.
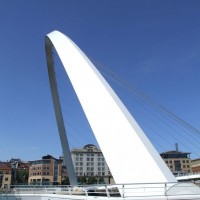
(64, 170)
(5, 176)
(20, 171)
(178, 162)
(47, 171)
(195, 165)
(20, 165)
(90, 162)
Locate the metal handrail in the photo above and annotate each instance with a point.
(118, 190)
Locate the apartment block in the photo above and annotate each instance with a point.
(195, 165)
(5, 176)
(178, 162)
(90, 162)
(46, 171)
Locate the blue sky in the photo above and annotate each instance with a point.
(154, 45)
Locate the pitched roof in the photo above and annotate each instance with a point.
(3, 166)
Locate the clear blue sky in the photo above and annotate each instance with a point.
(155, 45)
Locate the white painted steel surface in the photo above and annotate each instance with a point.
(58, 114)
(128, 152)
(154, 191)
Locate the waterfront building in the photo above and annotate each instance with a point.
(177, 161)
(90, 162)
(45, 171)
(19, 164)
(5, 176)
(195, 165)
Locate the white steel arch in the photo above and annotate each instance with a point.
(128, 152)
(58, 113)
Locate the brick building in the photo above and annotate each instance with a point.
(178, 162)
(45, 171)
(195, 165)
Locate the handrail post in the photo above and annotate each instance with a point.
(107, 191)
(165, 188)
(86, 193)
(123, 191)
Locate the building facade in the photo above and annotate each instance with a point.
(90, 162)
(195, 165)
(5, 176)
(47, 171)
(178, 162)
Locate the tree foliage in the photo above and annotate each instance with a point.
(22, 176)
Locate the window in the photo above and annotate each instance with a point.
(177, 164)
(46, 167)
(6, 178)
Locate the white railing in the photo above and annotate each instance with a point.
(188, 174)
(121, 191)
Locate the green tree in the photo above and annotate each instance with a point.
(101, 181)
(92, 180)
(82, 180)
(22, 176)
(65, 181)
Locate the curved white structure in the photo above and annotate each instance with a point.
(128, 152)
